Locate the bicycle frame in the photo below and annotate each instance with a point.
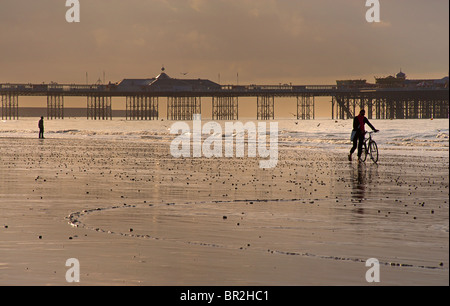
(370, 148)
(367, 140)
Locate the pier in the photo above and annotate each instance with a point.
(390, 98)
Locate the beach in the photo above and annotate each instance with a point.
(114, 198)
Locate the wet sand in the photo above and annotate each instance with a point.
(133, 215)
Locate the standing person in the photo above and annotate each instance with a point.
(358, 133)
(41, 128)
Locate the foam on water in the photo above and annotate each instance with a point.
(417, 137)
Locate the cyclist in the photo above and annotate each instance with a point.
(358, 133)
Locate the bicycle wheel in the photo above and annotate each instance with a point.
(364, 153)
(373, 150)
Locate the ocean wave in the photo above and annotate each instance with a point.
(104, 133)
(65, 132)
(442, 135)
(424, 135)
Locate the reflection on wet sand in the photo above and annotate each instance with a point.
(362, 176)
(358, 179)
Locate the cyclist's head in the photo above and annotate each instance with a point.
(362, 112)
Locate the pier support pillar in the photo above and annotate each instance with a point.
(343, 107)
(442, 108)
(142, 108)
(426, 112)
(369, 107)
(379, 108)
(306, 107)
(333, 106)
(99, 107)
(55, 107)
(183, 108)
(266, 107)
(10, 106)
(225, 108)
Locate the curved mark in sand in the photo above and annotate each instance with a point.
(75, 220)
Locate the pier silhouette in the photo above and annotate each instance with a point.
(389, 98)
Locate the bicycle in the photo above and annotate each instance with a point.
(370, 147)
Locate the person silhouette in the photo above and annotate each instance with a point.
(41, 128)
(358, 133)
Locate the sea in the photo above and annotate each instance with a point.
(418, 137)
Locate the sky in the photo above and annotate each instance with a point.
(246, 41)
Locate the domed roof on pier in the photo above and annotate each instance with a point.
(163, 75)
(164, 83)
(401, 75)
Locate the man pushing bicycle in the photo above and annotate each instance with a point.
(358, 133)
